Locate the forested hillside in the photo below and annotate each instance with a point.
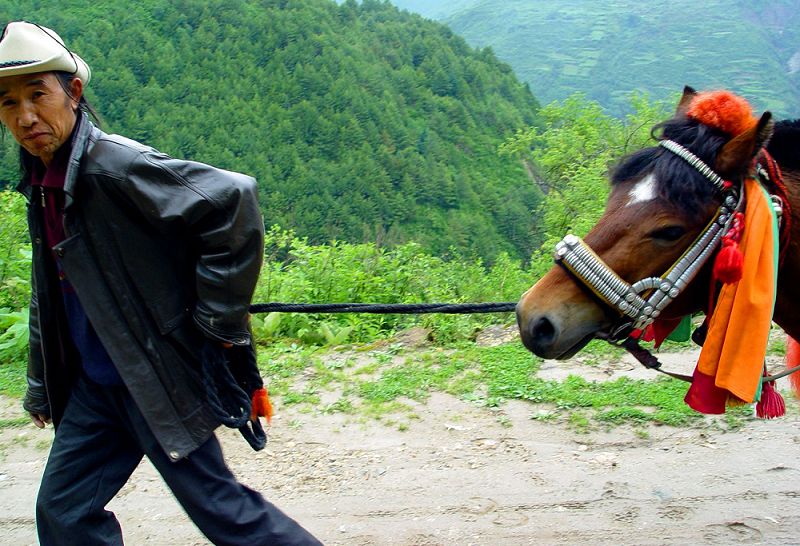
(610, 48)
(360, 122)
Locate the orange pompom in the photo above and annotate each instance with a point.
(722, 110)
(261, 406)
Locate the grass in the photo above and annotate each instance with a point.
(16, 422)
(777, 346)
(509, 374)
(380, 385)
(391, 384)
(12, 379)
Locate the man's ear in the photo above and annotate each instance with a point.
(75, 92)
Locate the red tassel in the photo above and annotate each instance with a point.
(262, 407)
(771, 404)
(728, 264)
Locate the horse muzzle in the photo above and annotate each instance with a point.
(555, 318)
(545, 337)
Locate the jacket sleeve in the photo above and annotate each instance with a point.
(36, 400)
(219, 211)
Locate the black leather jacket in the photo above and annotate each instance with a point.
(162, 253)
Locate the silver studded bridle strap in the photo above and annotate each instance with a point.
(642, 302)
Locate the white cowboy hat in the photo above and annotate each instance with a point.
(27, 48)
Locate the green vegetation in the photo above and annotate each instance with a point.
(396, 164)
(384, 383)
(15, 422)
(434, 9)
(777, 346)
(15, 260)
(609, 49)
(12, 378)
(306, 360)
(296, 271)
(570, 157)
(360, 123)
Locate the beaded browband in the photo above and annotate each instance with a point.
(642, 302)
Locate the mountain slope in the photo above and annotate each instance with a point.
(608, 49)
(434, 9)
(360, 122)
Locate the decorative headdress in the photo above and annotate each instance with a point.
(730, 368)
(732, 115)
(722, 110)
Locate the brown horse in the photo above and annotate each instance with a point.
(658, 205)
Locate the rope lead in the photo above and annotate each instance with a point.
(384, 308)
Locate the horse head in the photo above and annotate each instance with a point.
(659, 204)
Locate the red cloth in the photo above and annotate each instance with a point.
(704, 396)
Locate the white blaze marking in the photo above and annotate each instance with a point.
(644, 190)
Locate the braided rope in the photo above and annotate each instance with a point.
(384, 308)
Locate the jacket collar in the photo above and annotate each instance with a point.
(79, 141)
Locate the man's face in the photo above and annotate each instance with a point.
(38, 112)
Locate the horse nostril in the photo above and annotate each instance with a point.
(539, 333)
(543, 332)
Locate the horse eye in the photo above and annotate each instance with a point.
(670, 233)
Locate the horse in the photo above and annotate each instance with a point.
(659, 203)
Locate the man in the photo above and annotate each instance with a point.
(143, 271)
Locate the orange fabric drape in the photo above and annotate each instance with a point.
(736, 344)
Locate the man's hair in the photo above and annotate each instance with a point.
(64, 79)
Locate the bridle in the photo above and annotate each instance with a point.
(641, 303)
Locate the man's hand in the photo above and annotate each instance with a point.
(40, 420)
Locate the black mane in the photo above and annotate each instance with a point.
(785, 144)
(679, 182)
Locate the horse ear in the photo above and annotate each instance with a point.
(688, 94)
(737, 154)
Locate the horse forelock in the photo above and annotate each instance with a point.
(677, 181)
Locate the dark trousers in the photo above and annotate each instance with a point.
(100, 441)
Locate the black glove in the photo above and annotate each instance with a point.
(231, 378)
(244, 368)
(227, 400)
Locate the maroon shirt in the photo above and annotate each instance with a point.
(50, 181)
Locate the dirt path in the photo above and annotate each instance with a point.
(464, 475)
